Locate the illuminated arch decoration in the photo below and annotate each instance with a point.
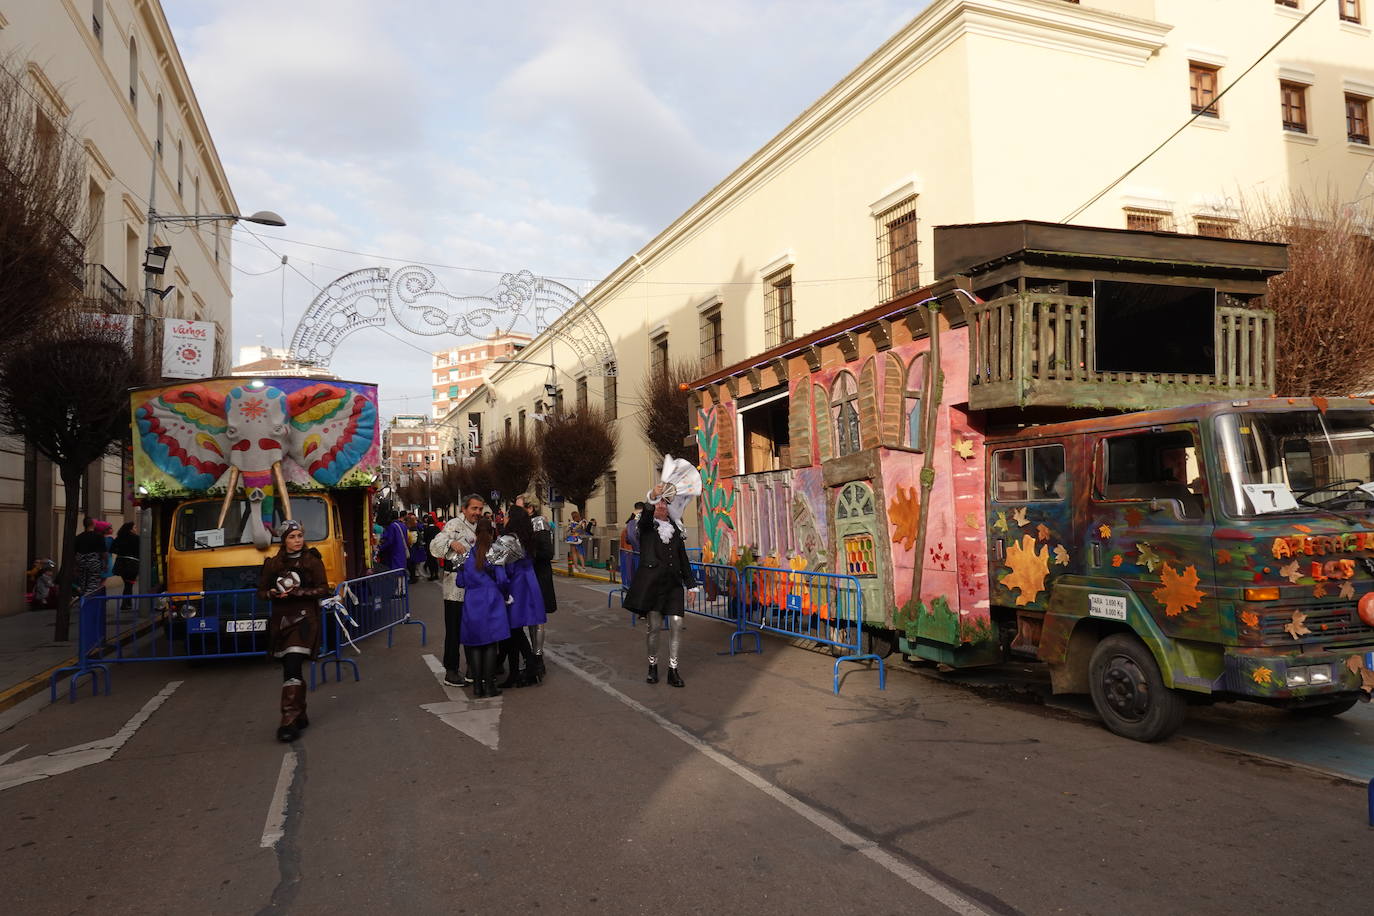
(409, 295)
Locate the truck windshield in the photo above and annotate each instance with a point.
(1293, 461)
(196, 522)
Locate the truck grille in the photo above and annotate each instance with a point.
(1327, 624)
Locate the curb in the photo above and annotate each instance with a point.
(20, 692)
(581, 575)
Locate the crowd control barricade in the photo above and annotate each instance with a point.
(823, 607)
(720, 598)
(364, 607)
(185, 626)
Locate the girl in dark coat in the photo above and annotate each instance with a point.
(527, 604)
(485, 618)
(657, 590)
(542, 554)
(294, 581)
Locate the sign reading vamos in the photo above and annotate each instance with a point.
(258, 434)
(188, 348)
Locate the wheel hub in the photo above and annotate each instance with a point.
(1126, 688)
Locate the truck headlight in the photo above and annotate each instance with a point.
(1319, 674)
(1309, 676)
(1296, 677)
(187, 611)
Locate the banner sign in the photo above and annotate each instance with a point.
(188, 348)
(122, 325)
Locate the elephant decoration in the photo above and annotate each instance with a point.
(256, 437)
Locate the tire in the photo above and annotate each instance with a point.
(1129, 693)
(1324, 710)
(881, 643)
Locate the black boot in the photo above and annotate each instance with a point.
(513, 678)
(653, 675)
(674, 679)
(539, 667)
(489, 670)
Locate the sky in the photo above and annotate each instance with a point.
(489, 137)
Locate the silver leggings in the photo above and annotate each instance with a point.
(537, 638)
(653, 622)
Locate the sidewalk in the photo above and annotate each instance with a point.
(28, 654)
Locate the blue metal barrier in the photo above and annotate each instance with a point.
(368, 605)
(721, 598)
(184, 626)
(822, 607)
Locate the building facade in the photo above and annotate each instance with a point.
(411, 449)
(109, 70)
(977, 111)
(458, 371)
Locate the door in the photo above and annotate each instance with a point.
(1149, 524)
(856, 541)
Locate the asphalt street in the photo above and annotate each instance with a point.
(754, 789)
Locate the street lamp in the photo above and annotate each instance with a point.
(550, 388)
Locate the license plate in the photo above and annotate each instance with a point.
(245, 626)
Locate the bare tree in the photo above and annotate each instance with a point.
(64, 387)
(576, 451)
(514, 463)
(665, 417)
(43, 223)
(1324, 303)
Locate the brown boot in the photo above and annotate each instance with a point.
(292, 708)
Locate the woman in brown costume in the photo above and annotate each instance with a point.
(295, 581)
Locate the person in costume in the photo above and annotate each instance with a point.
(450, 546)
(664, 572)
(294, 580)
(486, 593)
(527, 599)
(542, 555)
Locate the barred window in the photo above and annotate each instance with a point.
(712, 342)
(1149, 220)
(1293, 98)
(1215, 227)
(608, 396)
(658, 354)
(777, 315)
(898, 266)
(1357, 119)
(521, 424)
(582, 395)
(612, 503)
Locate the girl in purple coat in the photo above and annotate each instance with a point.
(527, 607)
(485, 618)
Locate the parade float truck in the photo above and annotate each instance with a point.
(221, 462)
(1066, 449)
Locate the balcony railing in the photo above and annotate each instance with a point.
(1038, 350)
(104, 291)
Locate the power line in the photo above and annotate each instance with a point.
(1209, 107)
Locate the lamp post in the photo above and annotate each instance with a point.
(550, 388)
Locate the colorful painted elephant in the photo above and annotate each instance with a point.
(197, 435)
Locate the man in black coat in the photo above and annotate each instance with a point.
(657, 589)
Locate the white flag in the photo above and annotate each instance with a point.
(188, 348)
(123, 325)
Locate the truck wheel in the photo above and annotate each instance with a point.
(881, 643)
(1324, 710)
(1129, 693)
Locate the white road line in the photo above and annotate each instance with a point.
(274, 828)
(81, 755)
(920, 880)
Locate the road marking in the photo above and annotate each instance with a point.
(274, 828)
(80, 755)
(4, 758)
(920, 880)
(478, 719)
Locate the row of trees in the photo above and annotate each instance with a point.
(64, 374)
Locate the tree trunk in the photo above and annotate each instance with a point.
(71, 514)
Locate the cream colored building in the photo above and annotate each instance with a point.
(113, 66)
(977, 110)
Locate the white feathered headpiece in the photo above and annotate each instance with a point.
(681, 484)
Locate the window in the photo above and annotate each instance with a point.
(197, 195)
(1155, 465)
(508, 427)
(712, 344)
(1357, 119)
(898, 267)
(1350, 10)
(1149, 220)
(133, 72)
(181, 164)
(764, 432)
(98, 21)
(521, 424)
(911, 401)
(1215, 227)
(216, 243)
(612, 503)
(582, 395)
(157, 146)
(1294, 101)
(1202, 87)
(608, 398)
(1291, 4)
(1045, 481)
(844, 405)
(658, 354)
(777, 312)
